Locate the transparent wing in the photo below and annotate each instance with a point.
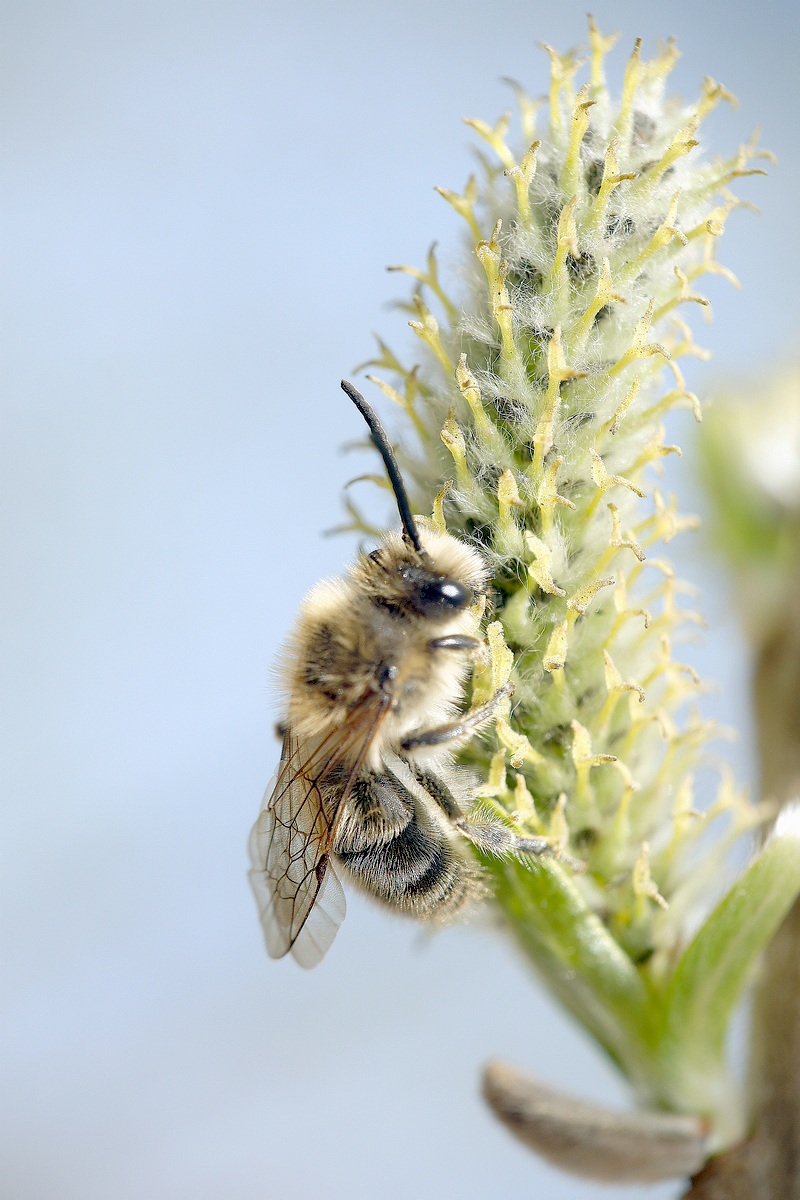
(299, 896)
(289, 847)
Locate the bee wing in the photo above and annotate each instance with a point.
(298, 893)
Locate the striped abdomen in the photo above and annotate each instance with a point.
(396, 842)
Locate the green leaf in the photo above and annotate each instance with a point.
(717, 964)
(584, 966)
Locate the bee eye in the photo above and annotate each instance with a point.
(443, 595)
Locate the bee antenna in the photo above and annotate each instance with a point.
(381, 441)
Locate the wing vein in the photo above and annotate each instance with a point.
(299, 896)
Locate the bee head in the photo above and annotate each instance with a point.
(434, 586)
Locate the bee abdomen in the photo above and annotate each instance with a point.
(418, 872)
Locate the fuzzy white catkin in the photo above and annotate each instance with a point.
(549, 376)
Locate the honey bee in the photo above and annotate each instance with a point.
(367, 783)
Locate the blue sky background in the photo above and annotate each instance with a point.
(199, 201)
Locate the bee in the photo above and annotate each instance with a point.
(367, 785)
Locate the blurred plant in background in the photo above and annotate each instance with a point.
(538, 404)
(750, 447)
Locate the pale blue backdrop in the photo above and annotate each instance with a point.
(199, 200)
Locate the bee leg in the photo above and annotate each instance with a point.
(456, 641)
(491, 837)
(463, 727)
(481, 828)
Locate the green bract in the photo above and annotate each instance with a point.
(538, 404)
